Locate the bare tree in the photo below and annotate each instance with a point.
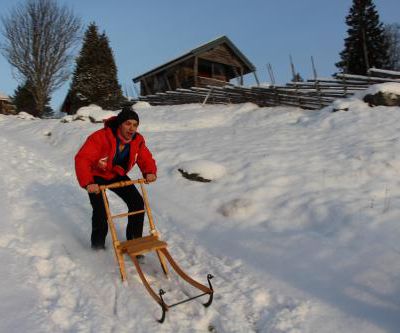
(392, 33)
(39, 38)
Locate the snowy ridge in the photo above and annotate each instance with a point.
(300, 232)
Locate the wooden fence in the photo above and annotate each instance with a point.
(312, 94)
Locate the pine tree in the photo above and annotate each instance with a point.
(366, 45)
(112, 97)
(24, 100)
(95, 75)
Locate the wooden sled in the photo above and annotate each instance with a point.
(145, 244)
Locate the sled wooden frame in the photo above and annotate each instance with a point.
(145, 244)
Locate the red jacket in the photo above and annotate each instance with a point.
(101, 145)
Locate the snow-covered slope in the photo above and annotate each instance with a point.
(300, 229)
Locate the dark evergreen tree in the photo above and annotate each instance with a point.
(95, 75)
(112, 96)
(24, 100)
(365, 45)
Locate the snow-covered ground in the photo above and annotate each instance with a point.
(300, 225)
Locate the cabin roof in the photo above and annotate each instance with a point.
(198, 50)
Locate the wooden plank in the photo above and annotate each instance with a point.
(263, 96)
(340, 81)
(366, 78)
(116, 243)
(384, 73)
(148, 91)
(205, 81)
(167, 81)
(127, 214)
(256, 78)
(136, 249)
(177, 82)
(221, 54)
(124, 245)
(324, 86)
(196, 70)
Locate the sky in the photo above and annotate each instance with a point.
(145, 34)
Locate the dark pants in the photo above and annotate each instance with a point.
(133, 200)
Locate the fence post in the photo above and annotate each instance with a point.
(272, 77)
(317, 86)
(208, 95)
(295, 80)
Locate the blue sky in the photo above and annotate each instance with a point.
(145, 34)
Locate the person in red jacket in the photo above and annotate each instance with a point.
(106, 157)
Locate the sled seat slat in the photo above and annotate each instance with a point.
(141, 248)
(124, 245)
(142, 245)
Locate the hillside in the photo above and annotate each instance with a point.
(300, 230)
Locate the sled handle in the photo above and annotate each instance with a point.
(123, 184)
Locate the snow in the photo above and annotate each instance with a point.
(25, 115)
(141, 105)
(345, 104)
(204, 168)
(389, 87)
(300, 230)
(92, 113)
(95, 113)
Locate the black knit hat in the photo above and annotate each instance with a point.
(126, 114)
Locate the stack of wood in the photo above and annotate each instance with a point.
(313, 94)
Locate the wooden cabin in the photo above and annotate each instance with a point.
(214, 63)
(6, 106)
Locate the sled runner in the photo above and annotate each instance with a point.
(145, 244)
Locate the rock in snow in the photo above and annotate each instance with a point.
(385, 94)
(202, 170)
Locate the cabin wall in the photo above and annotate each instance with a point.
(209, 69)
(179, 76)
(7, 107)
(223, 55)
(214, 67)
